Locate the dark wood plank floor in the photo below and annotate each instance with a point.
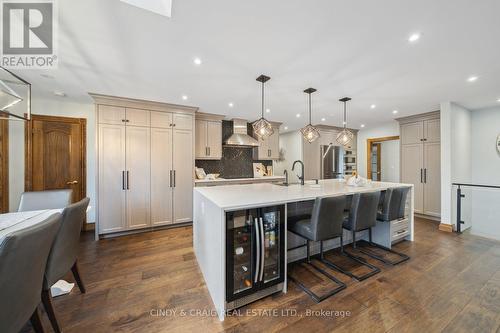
(451, 284)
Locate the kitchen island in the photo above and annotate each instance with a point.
(246, 209)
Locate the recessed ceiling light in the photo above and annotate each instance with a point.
(230, 104)
(472, 79)
(373, 106)
(197, 61)
(286, 127)
(498, 100)
(394, 111)
(297, 115)
(414, 37)
(268, 110)
(362, 125)
(323, 119)
(184, 97)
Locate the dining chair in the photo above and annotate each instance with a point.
(49, 199)
(23, 257)
(63, 255)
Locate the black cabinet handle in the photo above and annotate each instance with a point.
(174, 179)
(421, 175)
(425, 175)
(128, 187)
(123, 180)
(170, 179)
(208, 151)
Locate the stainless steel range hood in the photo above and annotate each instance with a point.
(240, 138)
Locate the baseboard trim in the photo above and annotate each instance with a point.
(445, 227)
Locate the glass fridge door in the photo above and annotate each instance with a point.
(240, 235)
(271, 225)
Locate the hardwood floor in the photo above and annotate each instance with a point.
(450, 284)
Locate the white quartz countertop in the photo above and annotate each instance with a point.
(235, 180)
(262, 194)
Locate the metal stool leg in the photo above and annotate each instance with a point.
(315, 297)
(403, 257)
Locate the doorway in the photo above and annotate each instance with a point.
(382, 159)
(55, 154)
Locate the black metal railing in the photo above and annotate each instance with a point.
(459, 200)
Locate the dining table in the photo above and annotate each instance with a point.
(11, 222)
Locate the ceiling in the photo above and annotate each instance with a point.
(358, 49)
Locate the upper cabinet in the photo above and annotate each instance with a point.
(427, 130)
(208, 142)
(269, 148)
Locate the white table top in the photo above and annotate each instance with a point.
(11, 222)
(255, 195)
(224, 180)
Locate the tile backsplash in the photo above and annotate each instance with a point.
(236, 162)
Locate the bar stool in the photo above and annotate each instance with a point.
(393, 209)
(319, 228)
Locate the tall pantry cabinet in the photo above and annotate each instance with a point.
(421, 160)
(145, 162)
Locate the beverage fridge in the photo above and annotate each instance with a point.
(255, 254)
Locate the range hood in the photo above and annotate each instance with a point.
(240, 138)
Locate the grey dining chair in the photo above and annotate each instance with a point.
(49, 199)
(63, 255)
(23, 257)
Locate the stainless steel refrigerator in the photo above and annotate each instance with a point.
(332, 162)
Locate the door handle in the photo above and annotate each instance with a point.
(128, 187)
(72, 182)
(262, 244)
(174, 179)
(425, 175)
(257, 257)
(123, 180)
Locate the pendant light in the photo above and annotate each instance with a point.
(262, 127)
(309, 132)
(345, 136)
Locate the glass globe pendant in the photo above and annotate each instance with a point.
(345, 136)
(309, 132)
(262, 127)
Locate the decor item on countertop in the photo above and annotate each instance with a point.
(12, 90)
(259, 170)
(309, 132)
(200, 173)
(357, 181)
(269, 169)
(212, 176)
(345, 136)
(262, 127)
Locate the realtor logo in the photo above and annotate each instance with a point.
(28, 34)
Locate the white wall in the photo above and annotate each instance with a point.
(291, 146)
(485, 170)
(54, 107)
(387, 129)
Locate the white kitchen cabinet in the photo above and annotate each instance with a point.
(138, 176)
(161, 176)
(145, 167)
(112, 178)
(269, 148)
(208, 145)
(421, 161)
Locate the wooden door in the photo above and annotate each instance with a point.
(432, 179)
(161, 168)
(214, 139)
(201, 149)
(4, 166)
(137, 155)
(112, 178)
(412, 133)
(375, 160)
(432, 130)
(183, 175)
(412, 157)
(55, 155)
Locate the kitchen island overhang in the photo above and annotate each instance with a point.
(209, 222)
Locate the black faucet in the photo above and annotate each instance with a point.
(286, 177)
(301, 177)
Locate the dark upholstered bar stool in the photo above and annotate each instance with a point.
(319, 228)
(393, 209)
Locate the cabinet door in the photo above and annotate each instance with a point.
(214, 139)
(138, 177)
(161, 167)
(412, 133)
(201, 147)
(262, 151)
(412, 157)
(183, 175)
(183, 121)
(432, 179)
(113, 115)
(161, 119)
(138, 117)
(311, 158)
(432, 130)
(111, 178)
(274, 145)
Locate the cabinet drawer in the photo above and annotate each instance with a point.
(399, 234)
(400, 224)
